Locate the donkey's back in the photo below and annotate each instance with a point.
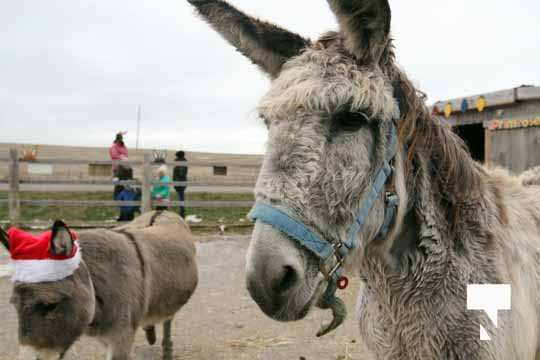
(143, 273)
(168, 253)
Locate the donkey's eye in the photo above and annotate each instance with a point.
(46, 308)
(349, 121)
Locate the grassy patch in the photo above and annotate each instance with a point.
(103, 213)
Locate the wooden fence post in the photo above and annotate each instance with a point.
(14, 189)
(147, 184)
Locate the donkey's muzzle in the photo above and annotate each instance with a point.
(271, 284)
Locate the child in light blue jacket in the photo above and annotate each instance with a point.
(161, 191)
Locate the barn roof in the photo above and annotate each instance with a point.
(487, 100)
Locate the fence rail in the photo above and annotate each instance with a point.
(123, 182)
(14, 183)
(55, 161)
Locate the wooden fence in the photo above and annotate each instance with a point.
(14, 200)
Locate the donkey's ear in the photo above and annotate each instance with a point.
(4, 238)
(265, 44)
(61, 239)
(365, 24)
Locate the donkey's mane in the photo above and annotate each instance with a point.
(428, 139)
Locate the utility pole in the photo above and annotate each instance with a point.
(138, 126)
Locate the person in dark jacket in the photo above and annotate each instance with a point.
(126, 192)
(123, 173)
(127, 212)
(180, 174)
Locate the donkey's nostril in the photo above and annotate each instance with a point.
(289, 277)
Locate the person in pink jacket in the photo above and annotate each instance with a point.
(118, 150)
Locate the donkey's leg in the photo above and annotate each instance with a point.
(120, 345)
(167, 343)
(116, 353)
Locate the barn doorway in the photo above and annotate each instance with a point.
(474, 137)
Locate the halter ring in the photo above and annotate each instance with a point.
(339, 263)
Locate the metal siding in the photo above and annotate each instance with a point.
(528, 93)
(516, 149)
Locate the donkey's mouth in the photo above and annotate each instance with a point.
(292, 310)
(288, 313)
(286, 308)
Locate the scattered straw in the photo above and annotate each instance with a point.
(257, 342)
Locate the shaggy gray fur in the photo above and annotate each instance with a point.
(531, 176)
(134, 276)
(466, 224)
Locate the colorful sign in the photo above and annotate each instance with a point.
(513, 124)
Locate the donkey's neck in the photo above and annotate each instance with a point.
(450, 194)
(454, 207)
(446, 242)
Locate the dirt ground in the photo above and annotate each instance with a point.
(221, 321)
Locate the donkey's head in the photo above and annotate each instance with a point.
(329, 113)
(53, 308)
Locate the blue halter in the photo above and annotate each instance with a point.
(324, 250)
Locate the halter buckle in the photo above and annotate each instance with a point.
(336, 267)
(339, 261)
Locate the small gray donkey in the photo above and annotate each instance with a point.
(105, 284)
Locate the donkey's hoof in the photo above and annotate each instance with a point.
(150, 334)
(168, 355)
(167, 350)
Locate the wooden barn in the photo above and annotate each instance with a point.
(501, 128)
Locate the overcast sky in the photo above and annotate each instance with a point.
(74, 72)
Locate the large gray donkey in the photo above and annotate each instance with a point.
(357, 168)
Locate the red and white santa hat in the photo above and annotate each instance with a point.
(34, 262)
